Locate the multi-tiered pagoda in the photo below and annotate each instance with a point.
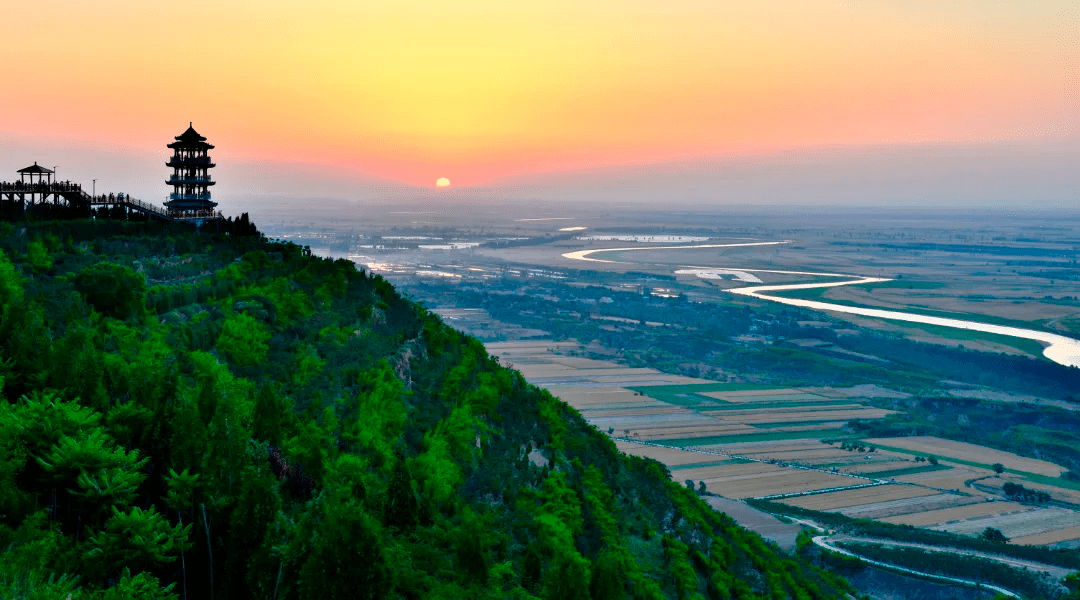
(190, 179)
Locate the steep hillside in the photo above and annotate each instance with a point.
(225, 417)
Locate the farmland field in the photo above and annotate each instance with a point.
(1015, 525)
(1057, 536)
(846, 498)
(960, 513)
(901, 506)
(969, 453)
(752, 441)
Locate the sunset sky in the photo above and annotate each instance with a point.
(403, 93)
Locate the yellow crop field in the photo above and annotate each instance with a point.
(668, 456)
(1049, 537)
(881, 462)
(1019, 525)
(955, 478)
(810, 456)
(740, 412)
(733, 472)
(804, 415)
(764, 447)
(868, 495)
(958, 513)
(946, 449)
(904, 506)
(786, 481)
(660, 434)
(760, 396)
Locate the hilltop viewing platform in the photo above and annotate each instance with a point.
(37, 190)
(26, 195)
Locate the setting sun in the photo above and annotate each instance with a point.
(442, 182)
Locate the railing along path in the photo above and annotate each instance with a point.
(73, 192)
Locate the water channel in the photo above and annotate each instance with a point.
(1060, 349)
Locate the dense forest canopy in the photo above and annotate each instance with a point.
(218, 416)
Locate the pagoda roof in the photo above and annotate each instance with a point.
(190, 135)
(190, 139)
(34, 169)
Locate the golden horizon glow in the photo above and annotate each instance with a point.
(442, 182)
(488, 89)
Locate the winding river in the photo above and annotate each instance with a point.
(1060, 349)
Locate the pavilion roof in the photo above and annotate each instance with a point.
(190, 135)
(35, 169)
(190, 139)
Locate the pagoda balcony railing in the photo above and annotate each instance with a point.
(189, 196)
(190, 160)
(174, 180)
(195, 214)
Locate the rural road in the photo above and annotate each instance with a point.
(822, 541)
(1055, 572)
(1060, 349)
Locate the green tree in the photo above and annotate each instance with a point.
(142, 586)
(138, 539)
(243, 340)
(998, 468)
(38, 256)
(104, 474)
(607, 581)
(993, 535)
(376, 418)
(256, 507)
(11, 287)
(181, 497)
(114, 290)
(473, 545)
(272, 416)
(1072, 583)
(347, 558)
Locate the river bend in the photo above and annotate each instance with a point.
(1058, 348)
